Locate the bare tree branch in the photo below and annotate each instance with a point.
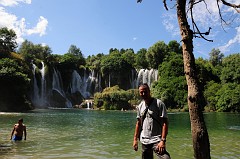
(201, 35)
(165, 4)
(194, 25)
(235, 6)
(220, 14)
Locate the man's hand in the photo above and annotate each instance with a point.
(161, 147)
(135, 145)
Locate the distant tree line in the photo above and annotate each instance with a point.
(219, 75)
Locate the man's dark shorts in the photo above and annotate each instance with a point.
(17, 138)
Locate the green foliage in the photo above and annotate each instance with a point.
(113, 63)
(215, 57)
(231, 71)
(205, 72)
(219, 76)
(223, 95)
(172, 87)
(14, 84)
(129, 57)
(174, 46)
(156, 54)
(141, 62)
(113, 98)
(116, 69)
(8, 42)
(76, 55)
(30, 51)
(94, 62)
(11, 69)
(228, 98)
(210, 92)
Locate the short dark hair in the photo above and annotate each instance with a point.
(21, 119)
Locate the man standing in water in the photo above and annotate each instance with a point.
(18, 131)
(152, 125)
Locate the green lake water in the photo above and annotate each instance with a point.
(92, 134)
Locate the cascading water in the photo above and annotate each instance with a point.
(147, 76)
(58, 87)
(86, 85)
(93, 81)
(133, 79)
(39, 94)
(79, 84)
(43, 86)
(152, 76)
(35, 97)
(57, 81)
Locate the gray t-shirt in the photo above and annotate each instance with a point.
(152, 124)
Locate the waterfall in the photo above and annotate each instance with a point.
(43, 85)
(58, 86)
(39, 94)
(147, 76)
(92, 81)
(79, 84)
(85, 84)
(57, 81)
(76, 82)
(152, 76)
(96, 81)
(133, 79)
(35, 96)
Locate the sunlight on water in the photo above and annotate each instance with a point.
(87, 134)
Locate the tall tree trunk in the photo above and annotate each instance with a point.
(200, 138)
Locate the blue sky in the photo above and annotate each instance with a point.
(95, 26)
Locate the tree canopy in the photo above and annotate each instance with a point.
(8, 42)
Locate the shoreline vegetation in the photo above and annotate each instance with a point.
(34, 66)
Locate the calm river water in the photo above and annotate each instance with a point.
(88, 134)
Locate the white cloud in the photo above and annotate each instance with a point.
(14, 2)
(43, 44)
(135, 38)
(169, 21)
(7, 19)
(234, 41)
(40, 28)
(207, 15)
(11, 21)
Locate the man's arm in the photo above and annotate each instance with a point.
(164, 128)
(12, 132)
(136, 135)
(162, 144)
